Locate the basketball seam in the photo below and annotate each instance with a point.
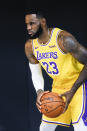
(54, 108)
(53, 101)
(50, 96)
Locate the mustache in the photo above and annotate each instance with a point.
(37, 34)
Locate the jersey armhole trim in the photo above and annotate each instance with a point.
(57, 42)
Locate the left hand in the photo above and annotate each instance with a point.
(68, 96)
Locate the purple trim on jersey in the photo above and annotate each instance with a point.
(56, 123)
(82, 108)
(84, 117)
(57, 42)
(49, 39)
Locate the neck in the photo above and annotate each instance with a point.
(44, 37)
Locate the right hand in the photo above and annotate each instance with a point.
(38, 101)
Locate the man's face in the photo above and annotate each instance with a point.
(33, 26)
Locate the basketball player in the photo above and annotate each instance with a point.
(65, 61)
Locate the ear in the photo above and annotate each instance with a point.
(43, 21)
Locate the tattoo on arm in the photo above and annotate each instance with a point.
(77, 50)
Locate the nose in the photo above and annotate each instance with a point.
(28, 27)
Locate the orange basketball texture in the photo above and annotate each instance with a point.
(52, 105)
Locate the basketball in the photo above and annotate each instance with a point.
(52, 105)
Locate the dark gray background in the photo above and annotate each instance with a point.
(17, 95)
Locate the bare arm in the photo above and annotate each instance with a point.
(29, 53)
(72, 46)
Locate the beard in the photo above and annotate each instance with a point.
(37, 34)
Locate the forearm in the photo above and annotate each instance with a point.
(81, 79)
(37, 77)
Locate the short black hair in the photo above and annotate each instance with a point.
(38, 13)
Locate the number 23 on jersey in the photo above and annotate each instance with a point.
(51, 67)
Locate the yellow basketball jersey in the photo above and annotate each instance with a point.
(61, 67)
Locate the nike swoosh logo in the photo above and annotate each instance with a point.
(36, 47)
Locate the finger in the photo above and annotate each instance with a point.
(39, 107)
(39, 110)
(65, 108)
(38, 102)
(42, 95)
(46, 92)
(39, 99)
(60, 95)
(63, 97)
